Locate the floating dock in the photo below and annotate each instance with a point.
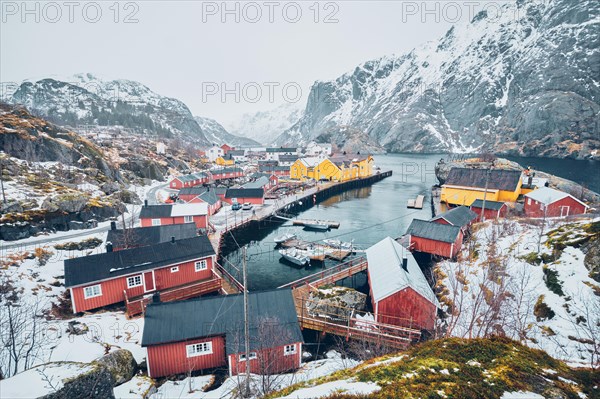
(301, 222)
(416, 203)
(316, 251)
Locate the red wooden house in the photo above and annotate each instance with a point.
(460, 216)
(262, 180)
(160, 215)
(493, 209)
(232, 172)
(182, 268)
(253, 195)
(434, 238)
(187, 194)
(226, 148)
(400, 293)
(144, 236)
(549, 202)
(208, 333)
(210, 198)
(277, 170)
(190, 180)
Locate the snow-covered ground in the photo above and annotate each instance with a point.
(494, 289)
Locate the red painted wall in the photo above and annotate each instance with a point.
(490, 213)
(241, 200)
(406, 304)
(169, 359)
(212, 209)
(534, 209)
(436, 247)
(270, 360)
(200, 221)
(112, 290)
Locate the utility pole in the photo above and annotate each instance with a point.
(246, 323)
(487, 179)
(2, 179)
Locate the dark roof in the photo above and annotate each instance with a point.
(244, 193)
(494, 205)
(267, 168)
(459, 216)
(288, 157)
(226, 170)
(236, 152)
(89, 269)
(224, 315)
(500, 179)
(141, 236)
(433, 231)
(156, 211)
(281, 149)
(220, 190)
(267, 162)
(196, 190)
(210, 197)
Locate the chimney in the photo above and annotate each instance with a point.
(145, 202)
(113, 225)
(405, 262)
(109, 247)
(530, 180)
(156, 297)
(172, 239)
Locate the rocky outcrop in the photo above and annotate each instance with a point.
(120, 364)
(71, 203)
(335, 302)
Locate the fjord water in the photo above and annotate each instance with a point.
(366, 215)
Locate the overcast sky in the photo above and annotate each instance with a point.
(185, 50)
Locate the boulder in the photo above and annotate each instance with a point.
(121, 365)
(11, 207)
(70, 203)
(110, 187)
(61, 380)
(127, 197)
(335, 303)
(75, 225)
(15, 231)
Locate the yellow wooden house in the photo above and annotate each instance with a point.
(336, 168)
(463, 186)
(224, 161)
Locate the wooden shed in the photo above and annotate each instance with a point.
(493, 209)
(549, 202)
(209, 332)
(434, 238)
(400, 293)
(160, 215)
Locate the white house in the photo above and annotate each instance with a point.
(161, 148)
(214, 152)
(321, 149)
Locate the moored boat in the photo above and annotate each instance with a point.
(319, 226)
(339, 244)
(294, 256)
(283, 238)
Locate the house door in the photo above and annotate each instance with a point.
(149, 281)
(564, 211)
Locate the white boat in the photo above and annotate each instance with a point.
(339, 244)
(294, 256)
(320, 226)
(284, 238)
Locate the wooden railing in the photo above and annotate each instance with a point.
(229, 277)
(137, 305)
(332, 274)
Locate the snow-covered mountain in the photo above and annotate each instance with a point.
(521, 81)
(266, 126)
(85, 99)
(217, 134)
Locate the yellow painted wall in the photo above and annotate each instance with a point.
(464, 196)
(365, 167)
(327, 170)
(224, 162)
(298, 170)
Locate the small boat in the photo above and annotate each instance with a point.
(284, 238)
(416, 203)
(294, 256)
(319, 226)
(339, 244)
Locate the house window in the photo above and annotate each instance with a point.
(155, 222)
(202, 348)
(289, 350)
(134, 281)
(251, 355)
(201, 265)
(174, 269)
(528, 201)
(92, 291)
(188, 219)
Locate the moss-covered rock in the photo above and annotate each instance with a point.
(121, 365)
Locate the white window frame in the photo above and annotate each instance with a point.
(188, 219)
(528, 201)
(251, 356)
(199, 349)
(203, 265)
(134, 284)
(156, 222)
(92, 287)
(289, 350)
(174, 269)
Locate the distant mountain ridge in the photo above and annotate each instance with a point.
(88, 100)
(524, 82)
(217, 134)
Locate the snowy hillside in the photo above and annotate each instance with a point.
(266, 126)
(85, 99)
(215, 133)
(523, 81)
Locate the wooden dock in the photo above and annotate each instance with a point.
(302, 222)
(353, 326)
(316, 251)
